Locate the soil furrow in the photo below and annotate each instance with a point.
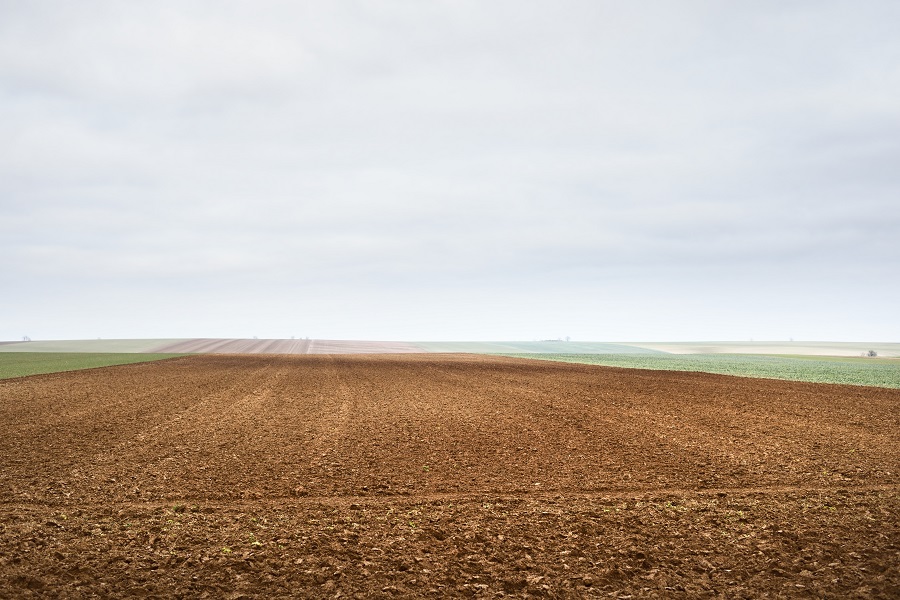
(645, 494)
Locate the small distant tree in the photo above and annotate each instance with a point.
(871, 354)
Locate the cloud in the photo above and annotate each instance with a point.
(404, 151)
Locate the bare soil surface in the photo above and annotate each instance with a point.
(443, 475)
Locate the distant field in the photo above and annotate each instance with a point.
(217, 346)
(21, 364)
(321, 346)
(848, 349)
(317, 346)
(277, 346)
(549, 347)
(855, 371)
(94, 346)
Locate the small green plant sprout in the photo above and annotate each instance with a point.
(426, 468)
(226, 550)
(255, 542)
(178, 508)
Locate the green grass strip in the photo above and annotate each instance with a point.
(20, 364)
(852, 371)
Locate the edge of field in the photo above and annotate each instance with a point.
(815, 369)
(23, 364)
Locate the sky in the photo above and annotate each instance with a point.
(450, 170)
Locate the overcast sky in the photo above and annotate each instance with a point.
(450, 170)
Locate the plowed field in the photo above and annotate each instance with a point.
(443, 475)
(242, 346)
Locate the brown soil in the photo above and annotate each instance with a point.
(443, 475)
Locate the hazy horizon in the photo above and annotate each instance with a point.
(450, 171)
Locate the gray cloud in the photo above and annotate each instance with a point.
(652, 170)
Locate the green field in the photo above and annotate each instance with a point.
(855, 371)
(20, 364)
(95, 346)
(803, 348)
